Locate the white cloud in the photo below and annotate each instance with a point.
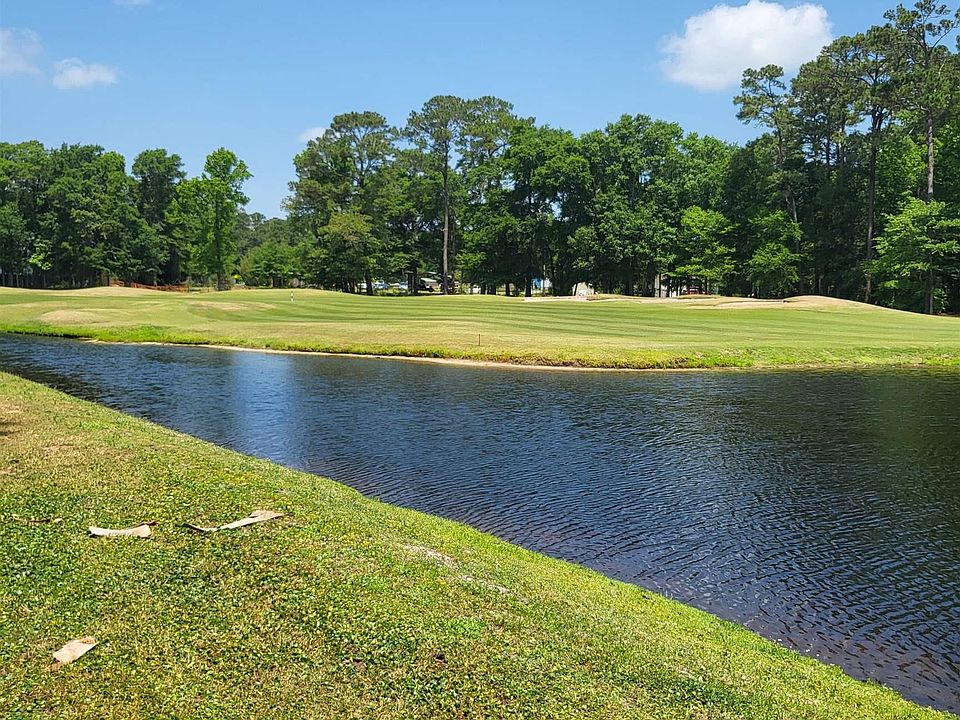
(719, 44)
(312, 134)
(19, 52)
(72, 74)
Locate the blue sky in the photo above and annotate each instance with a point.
(193, 75)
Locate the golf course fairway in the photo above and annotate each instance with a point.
(602, 332)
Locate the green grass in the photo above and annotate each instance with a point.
(345, 608)
(624, 333)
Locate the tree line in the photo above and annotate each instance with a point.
(73, 217)
(852, 190)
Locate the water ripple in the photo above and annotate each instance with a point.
(820, 509)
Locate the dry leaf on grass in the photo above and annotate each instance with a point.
(72, 650)
(139, 531)
(256, 516)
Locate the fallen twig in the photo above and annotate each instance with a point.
(37, 521)
(257, 516)
(140, 531)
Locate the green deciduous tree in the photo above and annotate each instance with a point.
(706, 256)
(23, 178)
(773, 270)
(344, 171)
(346, 252)
(204, 211)
(919, 249)
(157, 174)
(772, 267)
(15, 246)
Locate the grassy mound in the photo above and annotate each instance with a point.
(698, 332)
(344, 608)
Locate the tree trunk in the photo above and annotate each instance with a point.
(446, 227)
(954, 297)
(218, 247)
(170, 271)
(369, 280)
(930, 158)
(792, 202)
(871, 214)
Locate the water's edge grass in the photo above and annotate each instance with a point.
(347, 607)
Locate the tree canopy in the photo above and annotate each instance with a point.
(851, 189)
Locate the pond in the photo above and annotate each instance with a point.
(820, 509)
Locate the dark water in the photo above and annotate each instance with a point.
(819, 509)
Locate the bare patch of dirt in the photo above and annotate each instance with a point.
(228, 306)
(431, 554)
(225, 306)
(483, 583)
(111, 291)
(821, 302)
(808, 302)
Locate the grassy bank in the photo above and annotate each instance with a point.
(714, 332)
(345, 608)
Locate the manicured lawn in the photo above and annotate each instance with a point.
(344, 608)
(601, 333)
